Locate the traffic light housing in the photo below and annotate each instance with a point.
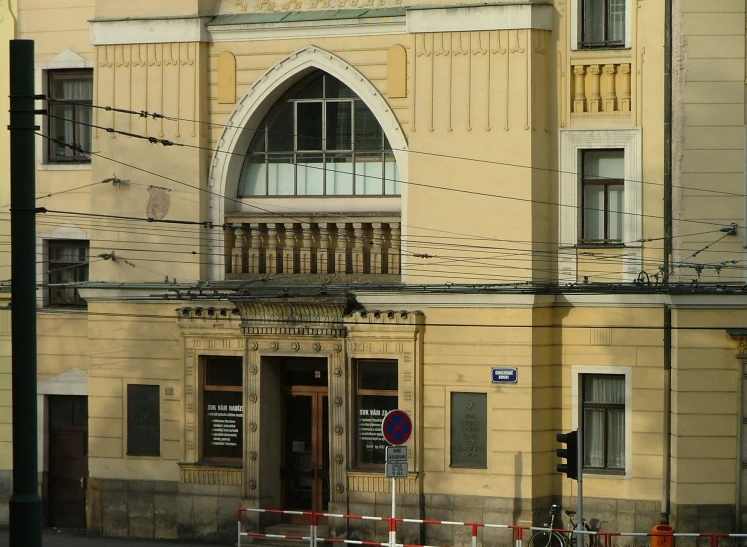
(570, 454)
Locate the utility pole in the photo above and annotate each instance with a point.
(25, 504)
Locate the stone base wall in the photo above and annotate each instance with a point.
(173, 510)
(162, 509)
(6, 491)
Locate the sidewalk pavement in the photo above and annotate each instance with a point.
(55, 537)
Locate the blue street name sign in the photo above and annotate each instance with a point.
(505, 375)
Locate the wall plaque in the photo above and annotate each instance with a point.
(469, 430)
(143, 420)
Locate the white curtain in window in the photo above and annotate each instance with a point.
(616, 21)
(616, 438)
(593, 437)
(593, 21)
(593, 211)
(615, 211)
(601, 423)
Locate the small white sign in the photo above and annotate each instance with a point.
(396, 454)
(396, 470)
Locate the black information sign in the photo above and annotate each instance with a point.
(143, 420)
(371, 412)
(469, 430)
(224, 422)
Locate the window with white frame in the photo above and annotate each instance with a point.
(70, 96)
(603, 23)
(603, 413)
(601, 157)
(602, 193)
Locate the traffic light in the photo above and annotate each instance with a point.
(570, 454)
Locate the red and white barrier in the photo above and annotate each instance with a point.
(605, 538)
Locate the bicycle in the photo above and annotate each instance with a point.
(557, 538)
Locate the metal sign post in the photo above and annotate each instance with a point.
(396, 427)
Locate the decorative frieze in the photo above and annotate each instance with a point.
(200, 474)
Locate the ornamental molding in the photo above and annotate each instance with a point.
(298, 317)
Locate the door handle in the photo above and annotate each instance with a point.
(81, 482)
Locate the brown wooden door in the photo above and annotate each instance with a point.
(68, 461)
(306, 449)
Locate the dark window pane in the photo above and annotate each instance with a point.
(223, 419)
(280, 130)
(370, 443)
(380, 375)
(257, 145)
(310, 88)
(80, 411)
(594, 21)
(68, 263)
(339, 126)
(69, 123)
(225, 371)
(60, 412)
(335, 89)
(306, 372)
(368, 133)
(143, 419)
(309, 126)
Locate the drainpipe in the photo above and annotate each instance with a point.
(666, 433)
(666, 437)
(667, 138)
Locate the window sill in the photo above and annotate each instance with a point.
(209, 464)
(608, 474)
(63, 167)
(63, 309)
(600, 245)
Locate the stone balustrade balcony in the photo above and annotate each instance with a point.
(600, 88)
(357, 247)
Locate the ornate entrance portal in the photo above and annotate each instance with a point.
(305, 443)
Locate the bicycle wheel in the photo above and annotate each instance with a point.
(546, 539)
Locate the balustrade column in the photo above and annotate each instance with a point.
(254, 247)
(323, 249)
(289, 248)
(359, 248)
(579, 98)
(610, 96)
(339, 243)
(377, 248)
(394, 249)
(306, 248)
(624, 95)
(594, 100)
(272, 249)
(237, 253)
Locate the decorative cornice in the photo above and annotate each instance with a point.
(305, 316)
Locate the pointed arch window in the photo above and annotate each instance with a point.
(319, 139)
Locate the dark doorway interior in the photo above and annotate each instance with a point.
(305, 446)
(68, 460)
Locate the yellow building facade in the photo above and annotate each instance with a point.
(267, 224)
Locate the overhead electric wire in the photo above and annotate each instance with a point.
(167, 178)
(166, 142)
(156, 115)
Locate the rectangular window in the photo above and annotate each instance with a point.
(143, 420)
(375, 395)
(68, 263)
(602, 189)
(223, 410)
(603, 407)
(603, 23)
(70, 94)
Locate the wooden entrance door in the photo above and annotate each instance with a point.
(306, 448)
(68, 461)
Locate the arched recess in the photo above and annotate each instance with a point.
(227, 160)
